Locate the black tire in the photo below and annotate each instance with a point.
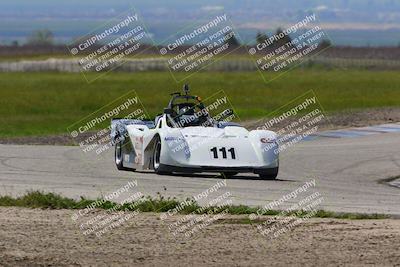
(157, 166)
(270, 175)
(228, 174)
(118, 158)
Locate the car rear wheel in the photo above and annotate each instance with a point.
(157, 166)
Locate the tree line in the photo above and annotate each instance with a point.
(46, 38)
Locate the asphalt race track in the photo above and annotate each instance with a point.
(348, 174)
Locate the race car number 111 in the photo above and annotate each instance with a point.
(222, 151)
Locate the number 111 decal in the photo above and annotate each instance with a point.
(223, 153)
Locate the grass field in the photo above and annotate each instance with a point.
(47, 103)
(37, 199)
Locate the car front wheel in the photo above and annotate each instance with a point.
(157, 166)
(269, 174)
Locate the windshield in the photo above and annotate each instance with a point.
(189, 114)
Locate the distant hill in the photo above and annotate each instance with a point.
(349, 22)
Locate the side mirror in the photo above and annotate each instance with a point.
(168, 111)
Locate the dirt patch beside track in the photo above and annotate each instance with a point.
(345, 119)
(31, 237)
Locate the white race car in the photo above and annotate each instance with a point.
(186, 139)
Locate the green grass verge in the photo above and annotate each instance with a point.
(37, 199)
(47, 103)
